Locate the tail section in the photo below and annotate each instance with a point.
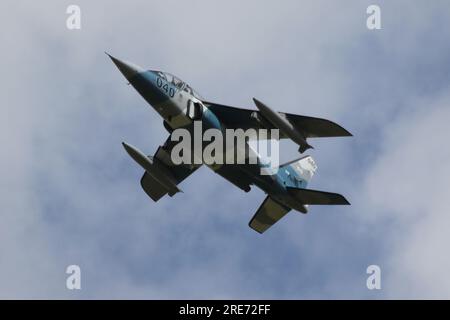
(296, 175)
(315, 197)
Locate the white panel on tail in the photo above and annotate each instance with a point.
(305, 167)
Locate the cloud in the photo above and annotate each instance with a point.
(70, 194)
(408, 187)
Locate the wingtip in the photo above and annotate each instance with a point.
(347, 133)
(254, 228)
(345, 201)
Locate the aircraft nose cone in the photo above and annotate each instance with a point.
(128, 69)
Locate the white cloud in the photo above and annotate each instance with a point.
(408, 186)
(71, 195)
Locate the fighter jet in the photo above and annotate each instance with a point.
(181, 106)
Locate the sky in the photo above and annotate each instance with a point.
(71, 195)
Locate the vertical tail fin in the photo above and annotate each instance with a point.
(315, 197)
(301, 169)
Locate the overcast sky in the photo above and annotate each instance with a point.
(71, 195)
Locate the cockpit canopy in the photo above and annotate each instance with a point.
(177, 82)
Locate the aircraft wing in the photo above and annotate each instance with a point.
(315, 197)
(177, 173)
(310, 127)
(268, 214)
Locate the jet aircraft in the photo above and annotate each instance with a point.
(180, 106)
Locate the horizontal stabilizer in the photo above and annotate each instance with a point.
(268, 214)
(314, 197)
